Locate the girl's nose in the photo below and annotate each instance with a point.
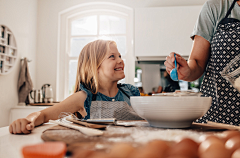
(120, 60)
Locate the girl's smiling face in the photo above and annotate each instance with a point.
(112, 67)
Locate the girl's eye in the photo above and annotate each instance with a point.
(112, 56)
(120, 56)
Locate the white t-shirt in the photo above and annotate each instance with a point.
(212, 12)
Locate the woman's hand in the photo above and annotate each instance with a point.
(183, 69)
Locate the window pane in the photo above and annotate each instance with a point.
(72, 75)
(112, 25)
(85, 26)
(77, 45)
(121, 44)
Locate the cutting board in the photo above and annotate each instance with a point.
(75, 139)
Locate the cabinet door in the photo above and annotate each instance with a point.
(159, 31)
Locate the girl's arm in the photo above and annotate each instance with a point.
(197, 62)
(73, 103)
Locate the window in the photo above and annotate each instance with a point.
(85, 24)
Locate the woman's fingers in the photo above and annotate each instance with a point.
(182, 65)
(169, 67)
(181, 61)
(169, 63)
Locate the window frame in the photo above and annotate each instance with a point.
(83, 10)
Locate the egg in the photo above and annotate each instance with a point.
(179, 156)
(229, 134)
(97, 154)
(233, 143)
(153, 149)
(184, 148)
(121, 150)
(236, 154)
(211, 137)
(82, 153)
(213, 147)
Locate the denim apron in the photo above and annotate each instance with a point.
(225, 45)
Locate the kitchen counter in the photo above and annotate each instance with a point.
(11, 145)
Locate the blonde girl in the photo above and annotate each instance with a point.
(97, 92)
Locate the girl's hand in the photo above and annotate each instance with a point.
(22, 125)
(183, 69)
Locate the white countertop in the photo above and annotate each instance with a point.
(11, 144)
(30, 107)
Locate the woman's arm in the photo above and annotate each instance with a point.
(73, 103)
(198, 59)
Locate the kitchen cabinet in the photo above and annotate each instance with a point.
(23, 111)
(8, 50)
(162, 30)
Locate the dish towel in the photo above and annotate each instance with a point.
(24, 82)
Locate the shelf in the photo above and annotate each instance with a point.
(8, 46)
(11, 47)
(8, 64)
(8, 32)
(43, 104)
(8, 55)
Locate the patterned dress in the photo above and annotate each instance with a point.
(225, 46)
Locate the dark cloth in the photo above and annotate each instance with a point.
(171, 87)
(24, 82)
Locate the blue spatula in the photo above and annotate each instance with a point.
(173, 73)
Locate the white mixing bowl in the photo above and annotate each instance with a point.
(170, 111)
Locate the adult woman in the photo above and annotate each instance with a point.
(216, 36)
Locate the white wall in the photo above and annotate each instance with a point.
(35, 26)
(48, 30)
(21, 18)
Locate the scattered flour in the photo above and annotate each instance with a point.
(145, 134)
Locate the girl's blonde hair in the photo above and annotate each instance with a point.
(90, 59)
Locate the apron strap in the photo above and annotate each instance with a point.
(119, 87)
(230, 9)
(94, 96)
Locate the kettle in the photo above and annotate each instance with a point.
(37, 95)
(47, 92)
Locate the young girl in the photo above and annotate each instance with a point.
(97, 94)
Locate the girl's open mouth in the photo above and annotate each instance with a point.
(118, 69)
